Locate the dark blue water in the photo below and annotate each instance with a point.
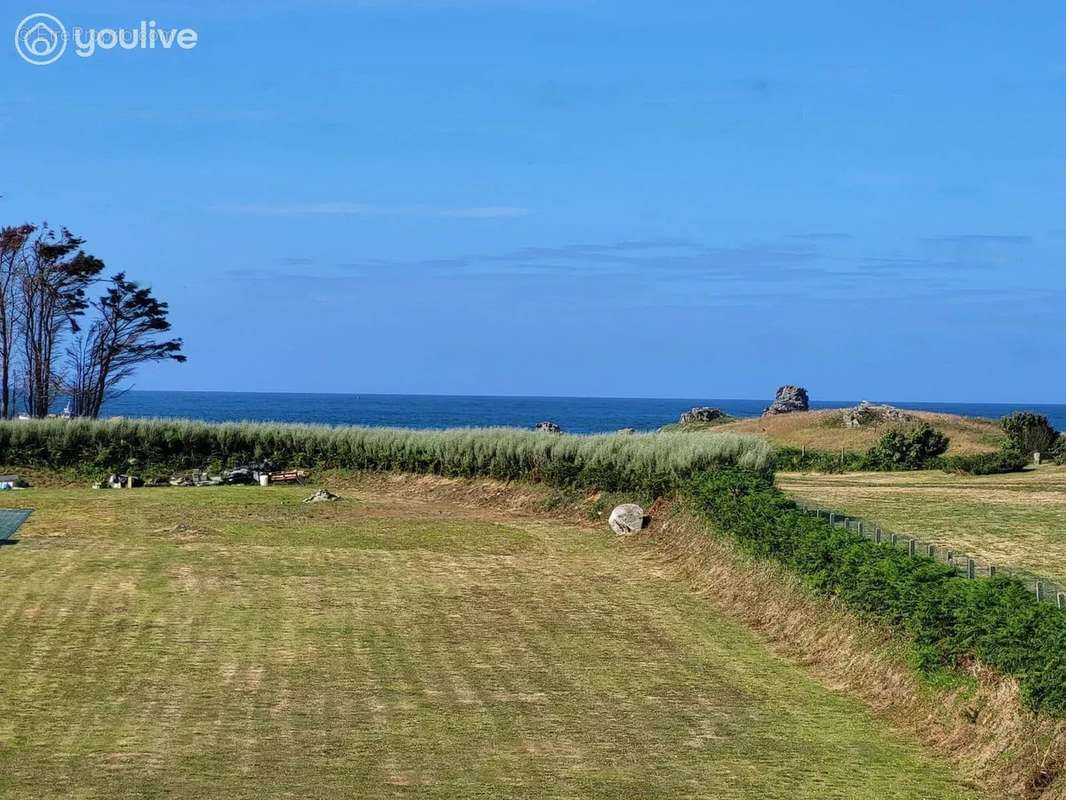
(574, 414)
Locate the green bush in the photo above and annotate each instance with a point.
(1028, 432)
(984, 463)
(949, 619)
(1059, 453)
(652, 463)
(907, 447)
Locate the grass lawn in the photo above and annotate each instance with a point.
(1014, 520)
(824, 430)
(233, 642)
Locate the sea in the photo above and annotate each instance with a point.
(573, 414)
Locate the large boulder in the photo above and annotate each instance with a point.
(788, 399)
(869, 415)
(626, 518)
(700, 414)
(547, 427)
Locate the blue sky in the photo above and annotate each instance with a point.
(689, 199)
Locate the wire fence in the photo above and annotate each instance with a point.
(1046, 591)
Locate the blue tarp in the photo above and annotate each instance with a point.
(11, 519)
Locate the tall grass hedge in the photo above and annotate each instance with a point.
(950, 619)
(654, 462)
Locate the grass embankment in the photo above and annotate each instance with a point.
(235, 642)
(1016, 520)
(824, 430)
(654, 463)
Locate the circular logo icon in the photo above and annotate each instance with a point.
(40, 39)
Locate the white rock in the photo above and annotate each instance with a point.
(626, 518)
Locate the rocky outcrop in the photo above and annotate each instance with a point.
(870, 415)
(789, 399)
(547, 427)
(700, 414)
(626, 518)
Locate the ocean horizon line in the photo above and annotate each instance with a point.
(667, 398)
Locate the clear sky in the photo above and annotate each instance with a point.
(569, 198)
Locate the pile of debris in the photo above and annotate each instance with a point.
(260, 474)
(117, 480)
(788, 400)
(195, 478)
(867, 415)
(701, 414)
(322, 496)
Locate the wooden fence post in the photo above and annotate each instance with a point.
(1039, 591)
(971, 568)
(911, 546)
(1062, 600)
(991, 570)
(931, 551)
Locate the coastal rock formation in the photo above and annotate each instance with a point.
(789, 398)
(867, 414)
(547, 427)
(700, 414)
(322, 496)
(626, 518)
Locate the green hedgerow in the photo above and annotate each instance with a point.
(653, 463)
(949, 618)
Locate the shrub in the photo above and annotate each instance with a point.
(907, 447)
(652, 463)
(1029, 432)
(949, 618)
(985, 463)
(1060, 452)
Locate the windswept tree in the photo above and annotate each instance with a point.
(125, 333)
(52, 296)
(13, 256)
(1029, 432)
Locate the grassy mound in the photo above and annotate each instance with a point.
(824, 430)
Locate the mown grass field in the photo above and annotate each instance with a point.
(1014, 520)
(824, 430)
(233, 642)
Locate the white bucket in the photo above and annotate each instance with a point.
(264, 480)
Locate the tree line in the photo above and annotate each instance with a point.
(58, 340)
